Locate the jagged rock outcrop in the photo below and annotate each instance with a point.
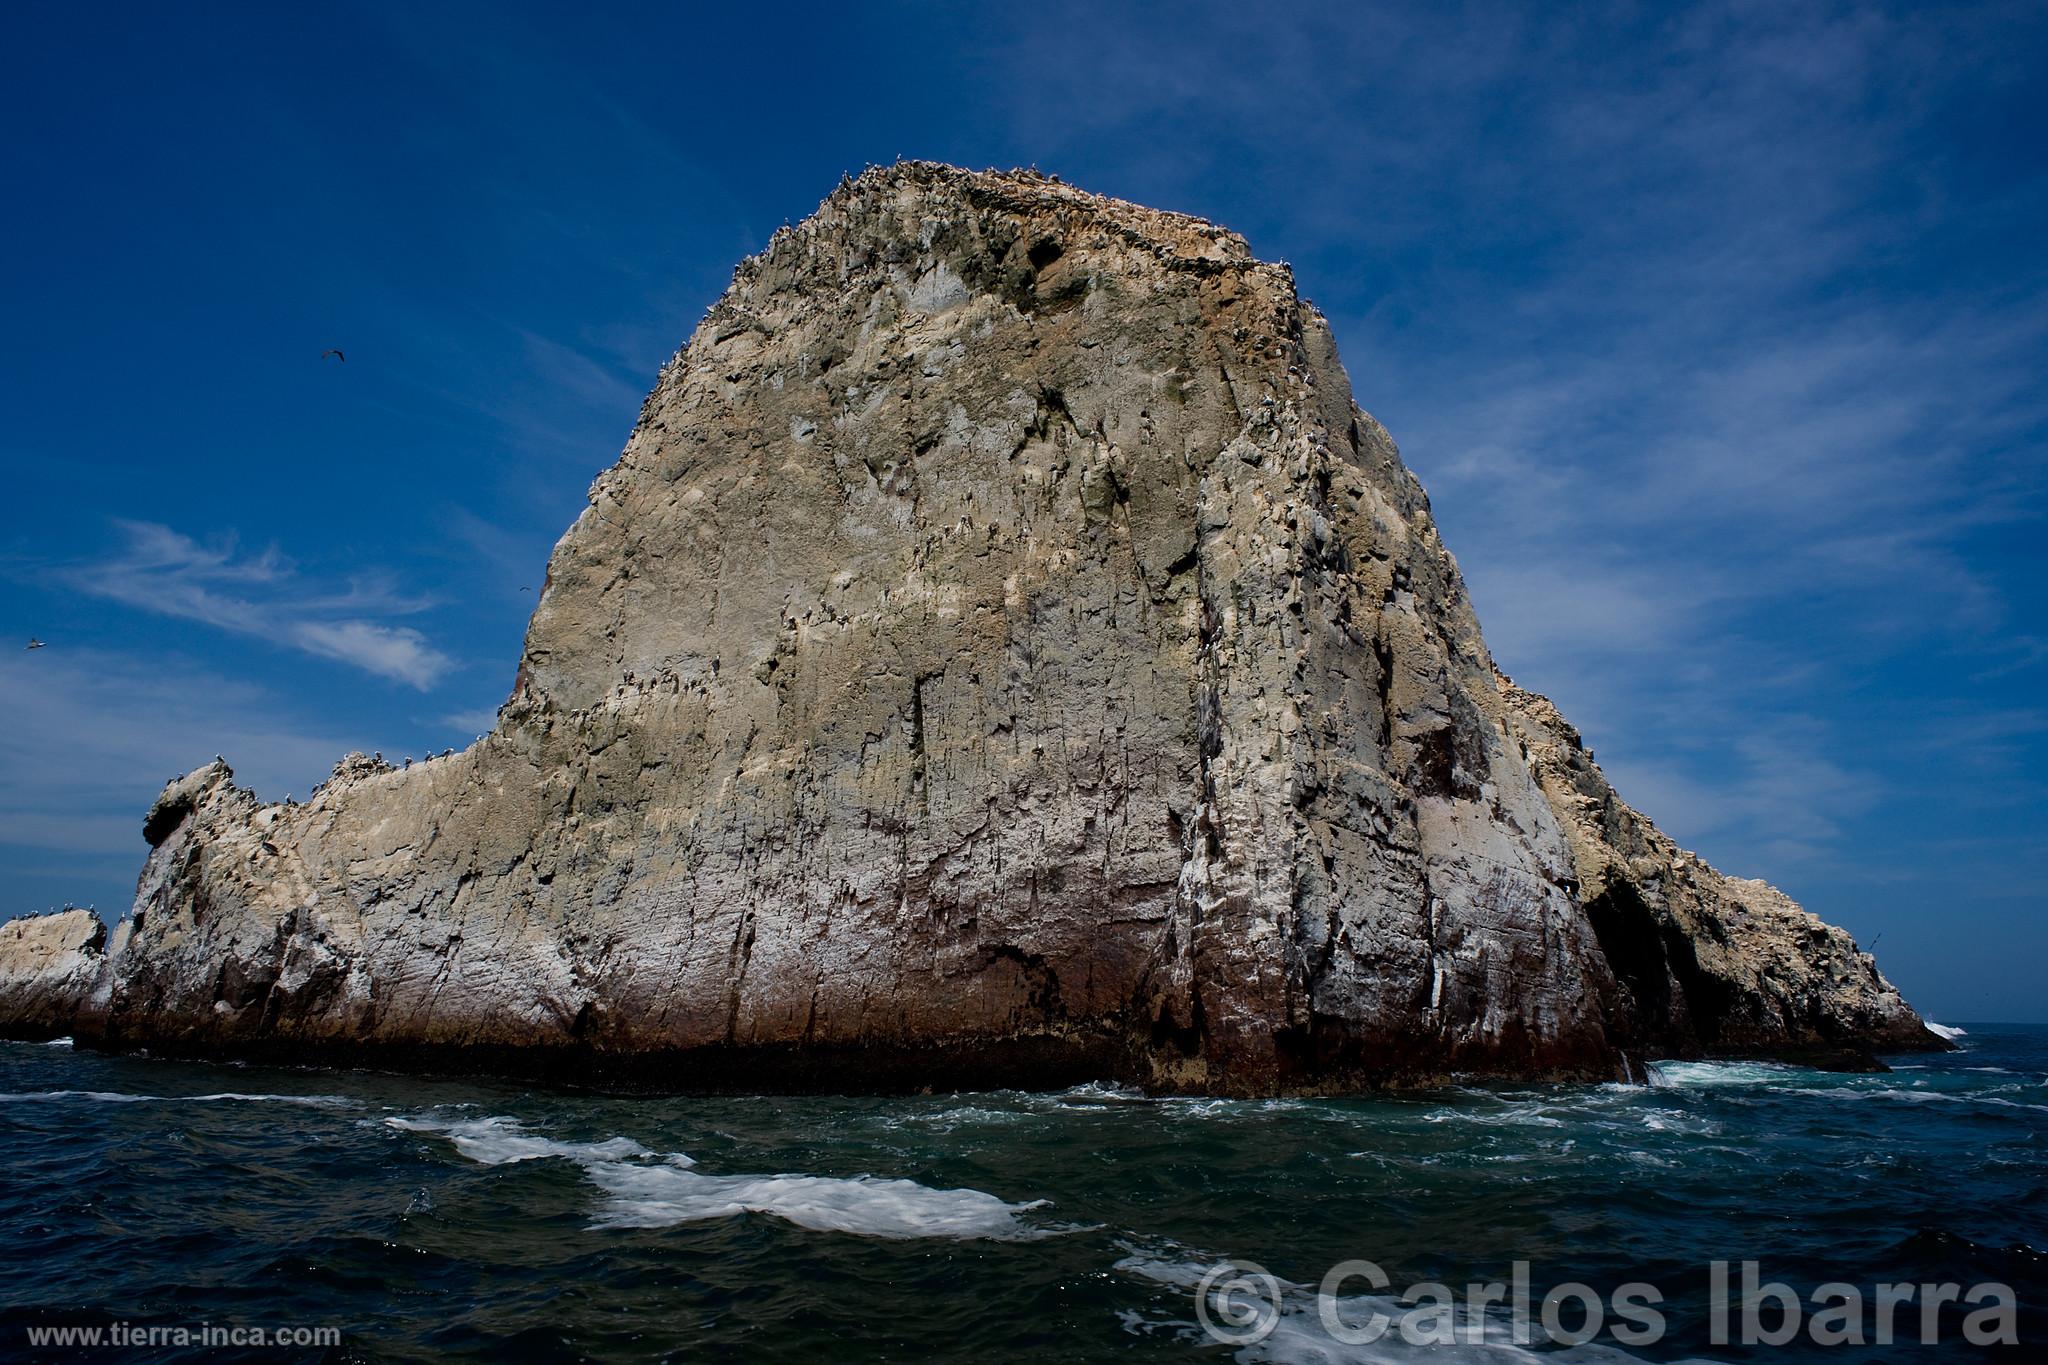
(1004, 653)
(1704, 964)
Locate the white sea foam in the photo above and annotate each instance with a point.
(966, 1116)
(317, 1101)
(501, 1141)
(119, 1097)
(1678, 1121)
(1713, 1074)
(659, 1196)
(1944, 1031)
(1700, 1075)
(1098, 1093)
(646, 1189)
(1927, 1097)
(1524, 1115)
(1189, 1108)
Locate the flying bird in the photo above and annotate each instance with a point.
(34, 643)
(334, 351)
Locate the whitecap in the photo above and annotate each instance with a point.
(1678, 1121)
(119, 1097)
(659, 1196)
(502, 1141)
(1926, 1097)
(1509, 1116)
(1098, 1093)
(946, 1120)
(317, 1101)
(1186, 1107)
(647, 1189)
(1944, 1031)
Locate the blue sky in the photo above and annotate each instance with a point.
(1717, 334)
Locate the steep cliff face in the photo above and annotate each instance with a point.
(1004, 652)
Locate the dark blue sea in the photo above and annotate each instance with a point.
(175, 1209)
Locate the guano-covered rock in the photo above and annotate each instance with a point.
(1004, 654)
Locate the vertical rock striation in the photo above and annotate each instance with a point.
(1003, 653)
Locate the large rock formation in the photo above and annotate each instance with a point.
(1004, 653)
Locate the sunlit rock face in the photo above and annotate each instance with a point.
(1004, 653)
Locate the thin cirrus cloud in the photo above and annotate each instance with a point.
(163, 571)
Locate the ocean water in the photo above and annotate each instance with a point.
(421, 1219)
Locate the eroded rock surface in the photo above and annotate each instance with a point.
(1004, 653)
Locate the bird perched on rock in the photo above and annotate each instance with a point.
(334, 351)
(34, 643)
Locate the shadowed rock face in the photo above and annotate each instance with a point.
(1003, 654)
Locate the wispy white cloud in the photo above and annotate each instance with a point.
(163, 571)
(398, 652)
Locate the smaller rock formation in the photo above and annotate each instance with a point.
(1705, 965)
(49, 965)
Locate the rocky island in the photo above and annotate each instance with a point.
(1005, 654)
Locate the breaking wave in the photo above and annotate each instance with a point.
(502, 1141)
(647, 1189)
(1698, 1075)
